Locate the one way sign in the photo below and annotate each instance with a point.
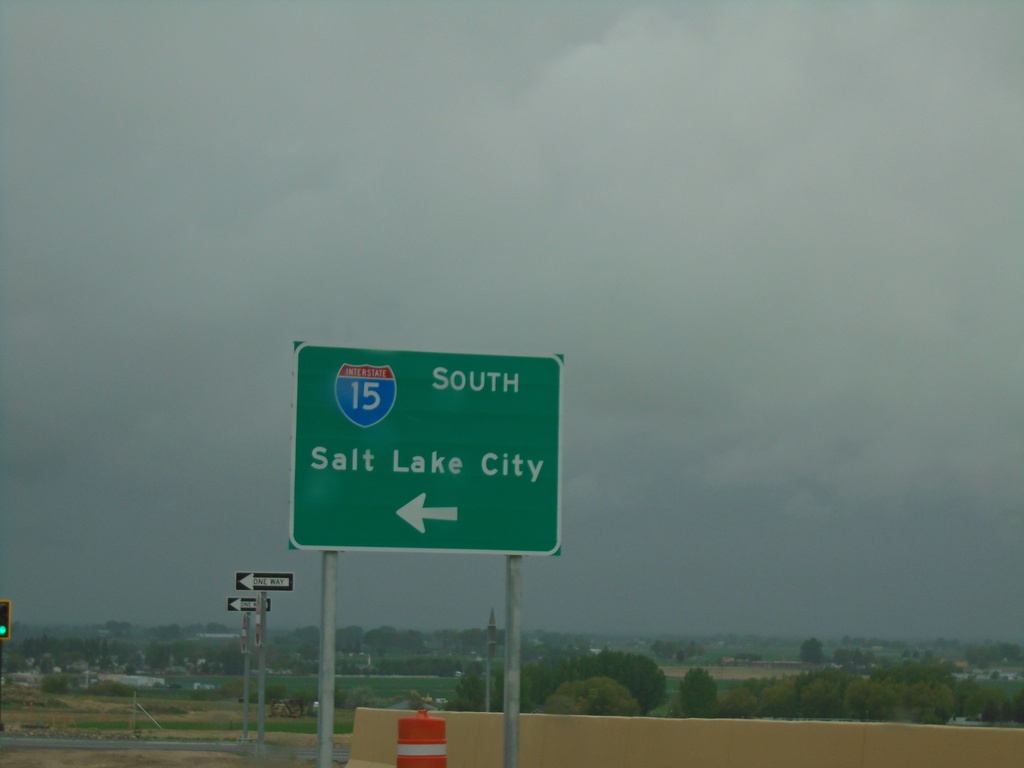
(246, 604)
(281, 582)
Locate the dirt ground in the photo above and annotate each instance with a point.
(63, 758)
(148, 758)
(28, 712)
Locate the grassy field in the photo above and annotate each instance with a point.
(201, 713)
(83, 714)
(399, 687)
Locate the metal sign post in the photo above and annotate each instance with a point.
(261, 641)
(328, 622)
(262, 581)
(513, 657)
(246, 645)
(492, 642)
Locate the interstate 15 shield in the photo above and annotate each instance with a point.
(365, 393)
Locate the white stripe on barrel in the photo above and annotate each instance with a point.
(422, 750)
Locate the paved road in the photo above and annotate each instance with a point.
(237, 748)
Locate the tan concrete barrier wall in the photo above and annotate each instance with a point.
(560, 741)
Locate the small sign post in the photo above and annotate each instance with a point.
(260, 605)
(261, 643)
(246, 633)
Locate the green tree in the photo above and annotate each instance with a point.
(382, 640)
(349, 639)
(697, 696)
(558, 704)
(780, 700)
(977, 655)
(964, 694)
(226, 659)
(930, 703)
(811, 651)
(822, 696)
(55, 684)
(871, 700)
(1017, 707)
(640, 674)
(469, 695)
(738, 703)
(995, 707)
(984, 703)
(593, 696)
(924, 691)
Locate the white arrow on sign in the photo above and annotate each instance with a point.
(264, 581)
(414, 513)
(248, 604)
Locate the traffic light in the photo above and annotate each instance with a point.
(5, 619)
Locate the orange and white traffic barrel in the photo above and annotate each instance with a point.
(421, 742)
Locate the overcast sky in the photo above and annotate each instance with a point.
(781, 247)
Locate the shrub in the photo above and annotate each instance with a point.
(110, 688)
(55, 684)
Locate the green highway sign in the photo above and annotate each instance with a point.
(427, 451)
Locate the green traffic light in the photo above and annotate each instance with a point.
(3, 630)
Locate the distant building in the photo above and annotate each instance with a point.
(142, 681)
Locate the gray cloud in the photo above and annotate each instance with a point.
(780, 249)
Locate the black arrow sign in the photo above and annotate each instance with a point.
(246, 604)
(260, 582)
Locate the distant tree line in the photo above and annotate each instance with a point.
(989, 655)
(120, 647)
(561, 673)
(606, 683)
(677, 650)
(916, 693)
